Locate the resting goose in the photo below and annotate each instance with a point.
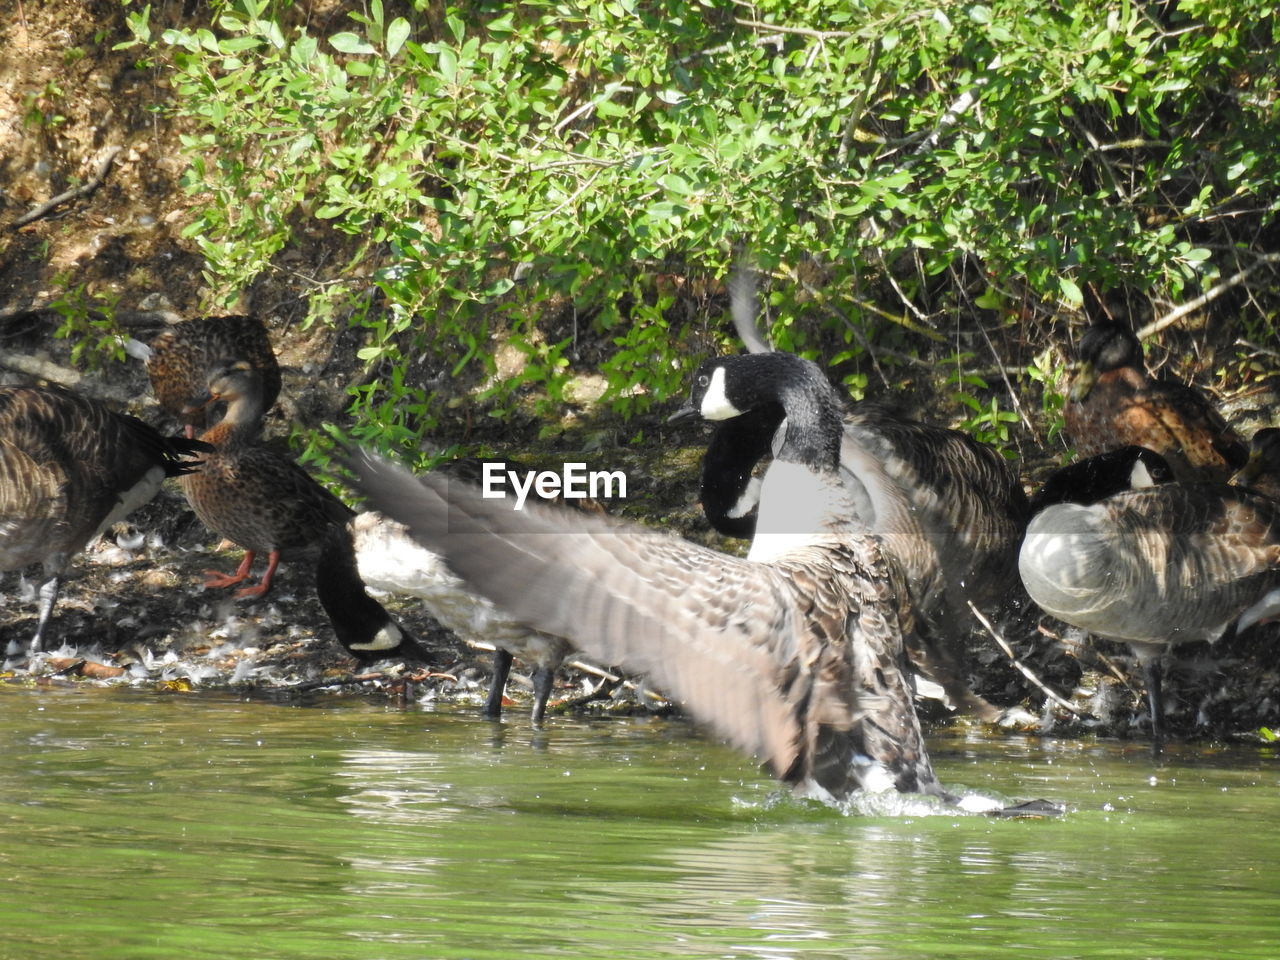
(1113, 403)
(180, 359)
(794, 654)
(1102, 475)
(1157, 566)
(263, 501)
(69, 468)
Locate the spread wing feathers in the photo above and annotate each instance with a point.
(760, 657)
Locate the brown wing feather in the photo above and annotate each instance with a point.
(761, 653)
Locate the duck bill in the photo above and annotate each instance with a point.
(1247, 475)
(1086, 377)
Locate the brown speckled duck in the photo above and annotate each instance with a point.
(263, 501)
(1113, 403)
(69, 468)
(182, 357)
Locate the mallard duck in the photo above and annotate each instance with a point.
(263, 501)
(794, 654)
(1157, 566)
(69, 468)
(180, 359)
(1262, 472)
(389, 559)
(1113, 403)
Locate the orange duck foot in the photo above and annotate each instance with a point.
(218, 581)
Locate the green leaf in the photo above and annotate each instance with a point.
(347, 42)
(397, 34)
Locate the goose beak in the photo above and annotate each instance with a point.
(686, 412)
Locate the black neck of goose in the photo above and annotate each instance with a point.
(814, 412)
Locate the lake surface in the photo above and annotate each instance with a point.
(204, 826)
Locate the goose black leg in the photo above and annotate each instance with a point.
(1153, 676)
(501, 668)
(542, 679)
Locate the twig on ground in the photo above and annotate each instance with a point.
(1023, 668)
(64, 376)
(86, 188)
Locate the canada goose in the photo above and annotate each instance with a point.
(1262, 472)
(950, 511)
(794, 655)
(1102, 475)
(1157, 566)
(389, 559)
(263, 501)
(180, 359)
(1112, 403)
(69, 468)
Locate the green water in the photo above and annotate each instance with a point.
(183, 826)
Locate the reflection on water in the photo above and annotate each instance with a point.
(210, 827)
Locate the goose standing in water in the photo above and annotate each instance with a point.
(1157, 566)
(794, 655)
(69, 469)
(263, 501)
(388, 558)
(1113, 403)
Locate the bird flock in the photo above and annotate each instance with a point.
(876, 543)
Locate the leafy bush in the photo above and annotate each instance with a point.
(914, 180)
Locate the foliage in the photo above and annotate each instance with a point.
(902, 173)
(89, 322)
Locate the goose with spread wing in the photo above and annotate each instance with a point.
(794, 654)
(949, 511)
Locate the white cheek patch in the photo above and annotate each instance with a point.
(388, 638)
(715, 403)
(1140, 476)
